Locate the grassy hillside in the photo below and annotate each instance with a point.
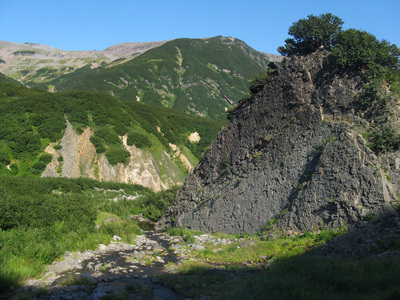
(41, 218)
(200, 76)
(31, 119)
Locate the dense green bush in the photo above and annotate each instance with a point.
(151, 205)
(383, 139)
(361, 50)
(52, 127)
(350, 48)
(108, 136)
(120, 129)
(154, 206)
(312, 33)
(25, 144)
(98, 144)
(4, 158)
(45, 210)
(46, 158)
(38, 167)
(14, 169)
(115, 156)
(138, 139)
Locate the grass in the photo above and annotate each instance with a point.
(43, 224)
(188, 235)
(282, 268)
(305, 277)
(76, 280)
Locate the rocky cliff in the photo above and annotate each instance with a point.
(292, 156)
(78, 158)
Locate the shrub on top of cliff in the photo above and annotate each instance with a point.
(310, 34)
(350, 48)
(363, 51)
(258, 81)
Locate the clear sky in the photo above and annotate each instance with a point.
(262, 24)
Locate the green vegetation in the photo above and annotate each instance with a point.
(115, 156)
(32, 119)
(138, 139)
(359, 51)
(311, 34)
(381, 139)
(317, 278)
(24, 53)
(281, 267)
(41, 218)
(191, 75)
(4, 78)
(188, 235)
(350, 48)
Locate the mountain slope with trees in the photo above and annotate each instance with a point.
(92, 134)
(199, 76)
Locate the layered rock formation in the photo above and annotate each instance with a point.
(79, 159)
(292, 156)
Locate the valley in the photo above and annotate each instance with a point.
(202, 169)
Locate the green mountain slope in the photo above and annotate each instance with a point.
(94, 135)
(200, 76)
(4, 78)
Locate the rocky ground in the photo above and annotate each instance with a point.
(135, 271)
(379, 237)
(123, 270)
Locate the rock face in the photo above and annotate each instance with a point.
(79, 159)
(292, 156)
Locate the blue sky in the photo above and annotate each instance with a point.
(98, 24)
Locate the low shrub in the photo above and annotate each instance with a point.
(38, 167)
(115, 156)
(138, 139)
(46, 158)
(98, 144)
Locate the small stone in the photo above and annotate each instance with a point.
(102, 247)
(160, 260)
(198, 247)
(110, 220)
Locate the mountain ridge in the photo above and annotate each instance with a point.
(200, 76)
(109, 54)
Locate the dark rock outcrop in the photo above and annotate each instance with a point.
(292, 156)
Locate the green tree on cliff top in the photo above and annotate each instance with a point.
(311, 33)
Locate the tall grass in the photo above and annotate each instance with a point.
(41, 218)
(306, 277)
